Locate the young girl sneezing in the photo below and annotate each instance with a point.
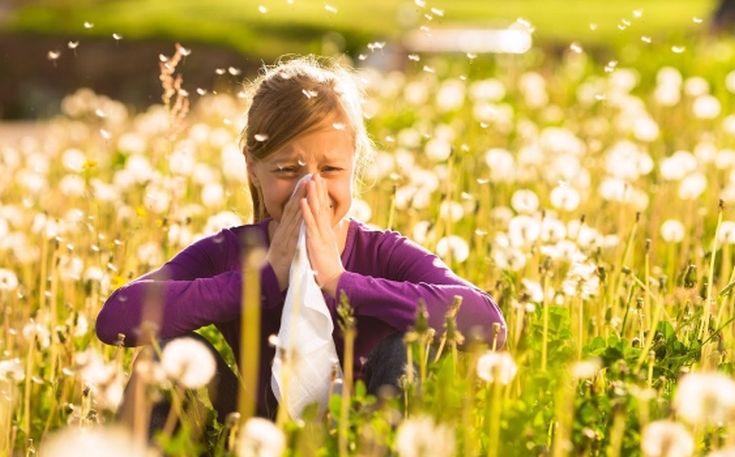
(304, 118)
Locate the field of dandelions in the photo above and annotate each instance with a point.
(594, 201)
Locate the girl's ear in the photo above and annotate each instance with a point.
(250, 164)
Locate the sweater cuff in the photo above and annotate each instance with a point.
(349, 283)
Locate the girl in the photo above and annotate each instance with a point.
(305, 117)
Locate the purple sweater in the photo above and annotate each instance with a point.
(386, 274)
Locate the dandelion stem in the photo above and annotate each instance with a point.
(710, 278)
(344, 420)
(545, 333)
(250, 334)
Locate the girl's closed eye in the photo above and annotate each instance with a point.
(286, 170)
(331, 169)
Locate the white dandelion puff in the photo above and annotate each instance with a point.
(496, 367)
(666, 438)
(260, 437)
(421, 436)
(8, 280)
(586, 369)
(455, 246)
(188, 362)
(672, 231)
(705, 398)
(12, 370)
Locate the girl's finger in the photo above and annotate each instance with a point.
(312, 198)
(309, 220)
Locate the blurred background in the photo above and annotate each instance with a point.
(49, 48)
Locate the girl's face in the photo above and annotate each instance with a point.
(328, 150)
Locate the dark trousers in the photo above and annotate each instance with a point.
(384, 367)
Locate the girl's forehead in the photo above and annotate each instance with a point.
(319, 145)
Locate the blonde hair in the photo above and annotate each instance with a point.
(292, 98)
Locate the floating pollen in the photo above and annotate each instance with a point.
(261, 137)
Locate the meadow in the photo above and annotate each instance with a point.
(594, 200)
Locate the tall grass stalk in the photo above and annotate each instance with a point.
(250, 332)
(704, 328)
(349, 333)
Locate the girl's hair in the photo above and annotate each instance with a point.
(292, 98)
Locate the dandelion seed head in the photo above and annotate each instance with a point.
(188, 362)
(646, 39)
(576, 48)
(330, 8)
(117, 36)
(261, 137)
(88, 25)
(524, 201)
(666, 438)
(53, 55)
(453, 246)
(414, 57)
(12, 370)
(705, 398)
(72, 44)
(678, 49)
(586, 369)
(672, 231)
(262, 9)
(421, 435)
(496, 367)
(260, 437)
(706, 107)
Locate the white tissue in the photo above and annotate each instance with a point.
(305, 336)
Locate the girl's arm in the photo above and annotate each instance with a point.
(193, 289)
(413, 273)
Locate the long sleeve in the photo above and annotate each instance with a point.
(199, 286)
(409, 273)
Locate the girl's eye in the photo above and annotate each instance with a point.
(330, 169)
(286, 170)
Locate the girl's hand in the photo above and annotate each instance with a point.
(321, 241)
(285, 237)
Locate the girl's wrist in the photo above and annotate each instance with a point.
(330, 285)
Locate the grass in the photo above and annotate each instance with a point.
(301, 27)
